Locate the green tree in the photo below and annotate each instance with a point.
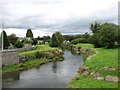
(117, 34)
(107, 35)
(94, 40)
(18, 44)
(28, 41)
(6, 43)
(54, 41)
(95, 27)
(59, 36)
(79, 40)
(12, 39)
(34, 41)
(46, 38)
(29, 33)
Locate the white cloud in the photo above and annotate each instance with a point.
(22, 32)
(56, 15)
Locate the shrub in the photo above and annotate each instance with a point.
(18, 44)
(80, 40)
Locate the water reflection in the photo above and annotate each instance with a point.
(51, 75)
(9, 77)
(54, 67)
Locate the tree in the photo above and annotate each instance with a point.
(46, 38)
(34, 41)
(94, 40)
(18, 44)
(95, 27)
(6, 43)
(117, 34)
(29, 33)
(107, 35)
(28, 41)
(59, 36)
(12, 39)
(54, 41)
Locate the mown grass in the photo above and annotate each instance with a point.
(44, 47)
(88, 82)
(105, 58)
(85, 45)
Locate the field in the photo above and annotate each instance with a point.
(106, 58)
(44, 47)
(85, 45)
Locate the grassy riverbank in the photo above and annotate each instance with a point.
(28, 64)
(85, 45)
(103, 65)
(40, 48)
(35, 62)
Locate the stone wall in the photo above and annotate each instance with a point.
(10, 57)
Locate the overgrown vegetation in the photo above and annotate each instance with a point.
(27, 64)
(42, 55)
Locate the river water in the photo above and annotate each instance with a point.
(51, 75)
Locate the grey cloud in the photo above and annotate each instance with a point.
(68, 26)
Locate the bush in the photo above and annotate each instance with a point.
(38, 54)
(11, 46)
(44, 55)
(28, 41)
(54, 41)
(80, 40)
(18, 44)
(66, 45)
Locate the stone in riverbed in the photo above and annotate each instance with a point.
(100, 78)
(111, 78)
(95, 74)
(84, 68)
(85, 73)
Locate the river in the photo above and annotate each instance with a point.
(51, 75)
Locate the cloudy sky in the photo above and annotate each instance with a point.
(45, 17)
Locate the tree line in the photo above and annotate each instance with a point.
(103, 35)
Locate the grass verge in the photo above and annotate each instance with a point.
(106, 58)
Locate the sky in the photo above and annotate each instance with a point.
(45, 17)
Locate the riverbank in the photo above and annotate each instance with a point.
(100, 71)
(34, 58)
(40, 48)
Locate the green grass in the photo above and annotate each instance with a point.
(104, 58)
(44, 47)
(27, 64)
(31, 62)
(87, 82)
(85, 45)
